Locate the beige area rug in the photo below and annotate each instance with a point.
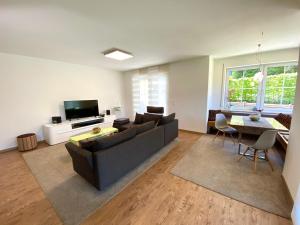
(71, 196)
(215, 167)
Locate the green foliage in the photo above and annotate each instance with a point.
(275, 70)
(251, 72)
(291, 69)
(246, 73)
(280, 89)
(237, 74)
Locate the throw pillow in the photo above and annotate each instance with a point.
(138, 118)
(144, 127)
(105, 142)
(167, 119)
(152, 117)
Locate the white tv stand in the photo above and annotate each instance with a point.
(61, 132)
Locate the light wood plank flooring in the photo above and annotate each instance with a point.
(157, 197)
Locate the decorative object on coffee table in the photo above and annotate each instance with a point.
(26, 142)
(255, 117)
(96, 130)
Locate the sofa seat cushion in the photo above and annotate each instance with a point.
(144, 127)
(152, 117)
(101, 143)
(167, 119)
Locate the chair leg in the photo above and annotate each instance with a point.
(244, 154)
(255, 159)
(232, 138)
(216, 135)
(224, 136)
(267, 158)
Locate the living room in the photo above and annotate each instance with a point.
(110, 112)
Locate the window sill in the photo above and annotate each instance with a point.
(265, 112)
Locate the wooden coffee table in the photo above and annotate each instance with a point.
(89, 135)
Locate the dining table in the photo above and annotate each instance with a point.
(245, 125)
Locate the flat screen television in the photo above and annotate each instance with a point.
(81, 109)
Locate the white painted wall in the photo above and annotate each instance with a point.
(220, 66)
(32, 90)
(187, 92)
(291, 170)
(296, 209)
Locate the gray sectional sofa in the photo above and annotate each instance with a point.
(103, 161)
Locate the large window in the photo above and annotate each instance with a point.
(149, 88)
(273, 90)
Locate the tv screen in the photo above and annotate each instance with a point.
(80, 109)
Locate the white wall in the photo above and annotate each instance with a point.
(188, 91)
(220, 66)
(32, 90)
(296, 209)
(291, 170)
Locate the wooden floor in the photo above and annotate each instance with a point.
(157, 197)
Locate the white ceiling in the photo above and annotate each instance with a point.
(154, 31)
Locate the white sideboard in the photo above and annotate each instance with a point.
(61, 132)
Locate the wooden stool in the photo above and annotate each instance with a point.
(27, 142)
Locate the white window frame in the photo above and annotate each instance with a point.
(262, 86)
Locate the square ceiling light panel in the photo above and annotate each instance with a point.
(117, 54)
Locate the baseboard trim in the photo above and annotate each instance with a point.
(16, 147)
(8, 149)
(190, 131)
(288, 190)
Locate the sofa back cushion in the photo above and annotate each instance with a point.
(284, 119)
(144, 127)
(155, 109)
(212, 114)
(152, 117)
(167, 119)
(138, 118)
(105, 142)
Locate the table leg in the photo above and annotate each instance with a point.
(240, 144)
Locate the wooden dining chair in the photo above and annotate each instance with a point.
(265, 141)
(223, 127)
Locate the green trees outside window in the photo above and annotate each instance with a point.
(277, 87)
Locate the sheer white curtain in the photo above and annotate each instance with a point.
(149, 87)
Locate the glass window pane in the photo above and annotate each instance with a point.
(288, 96)
(274, 81)
(234, 95)
(236, 74)
(291, 69)
(290, 80)
(249, 95)
(273, 95)
(280, 86)
(242, 88)
(251, 72)
(249, 82)
(275, 70)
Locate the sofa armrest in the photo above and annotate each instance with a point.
(82, 162)
(80, 155)
(171, 131)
